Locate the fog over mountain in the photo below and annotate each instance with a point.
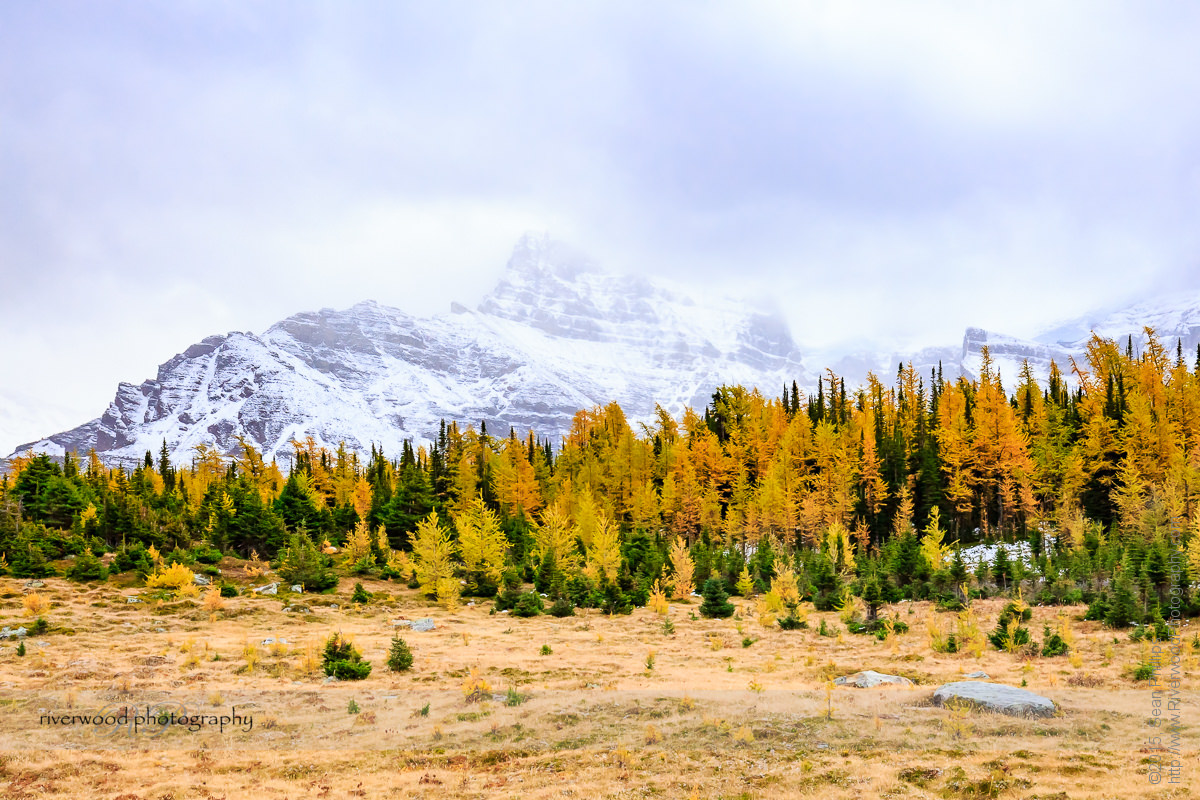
(555, 335)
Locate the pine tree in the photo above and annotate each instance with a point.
(716, 600)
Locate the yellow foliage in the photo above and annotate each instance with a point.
(744, 584)
(176, 577)
(481, 542)
(35, 604)
(658, 600)
(682, 570)
(358, 545)
(475, 688)
(434, 551)
(783, 586)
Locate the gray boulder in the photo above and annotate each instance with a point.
(270, 588)
(13, 633)
(995, 697)
(869, 678)
(34, 584)
(200, 580)
(981, 674)
(418, 625)
(297, 588)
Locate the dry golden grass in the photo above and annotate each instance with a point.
(589, 720)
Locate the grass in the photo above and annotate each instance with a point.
(592, 718)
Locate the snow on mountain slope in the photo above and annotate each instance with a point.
(1173, 317)
(553, 337)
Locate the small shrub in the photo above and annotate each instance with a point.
(546, 650)
(562, 607)
(528, 604)
(352, 707)
(360, 595)
(39, 627)
(1053, 644)
(475, 689)
(343, 661)
(87, 568)
(302, 563)
(35, 604)
(668, 628)
(796, 619)
(514, 698)
(176, 577)
(400, 657)
(21, 649)
(228, 590)
(1142, 672)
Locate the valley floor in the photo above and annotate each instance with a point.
(570, 708)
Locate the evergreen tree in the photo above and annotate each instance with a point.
(716, 600)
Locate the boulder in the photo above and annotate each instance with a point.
(995, 697)
(270, 588)
(297, 588)
(977, 675)
(200, 580)
(34, 584)
(419, 625)
(869, 678)
(13, 633)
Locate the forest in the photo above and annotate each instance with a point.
(864, 493)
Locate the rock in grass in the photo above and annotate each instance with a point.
(979, 675)
(869, 678)
(995, 697)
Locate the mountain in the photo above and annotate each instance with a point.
(1175, 319)
(554, 336)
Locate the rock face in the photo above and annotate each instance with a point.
(553, 337)
(868, 679)
(995, 697)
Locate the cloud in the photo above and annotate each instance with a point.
(876, 169)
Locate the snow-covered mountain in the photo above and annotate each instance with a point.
(1174, 318)
(554, 336)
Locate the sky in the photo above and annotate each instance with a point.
(883, 173)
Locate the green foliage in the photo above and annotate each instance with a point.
(360, 595)
(39, 627)
(343, 661)
(546, 650)
(87, 568)
(21, 649)
(1053, 644)
(716, 603)
(562, 607)
(302, 563)
(1122, 611)
(514, 698)
(228, 590)
(400, 657)
(133, 557)
(1009, 634)
(352, 707)
(528, 604)
(26, 559)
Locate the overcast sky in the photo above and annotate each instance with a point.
(892, 171)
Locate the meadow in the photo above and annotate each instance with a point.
(591, 705)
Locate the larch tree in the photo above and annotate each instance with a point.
(482, 545)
